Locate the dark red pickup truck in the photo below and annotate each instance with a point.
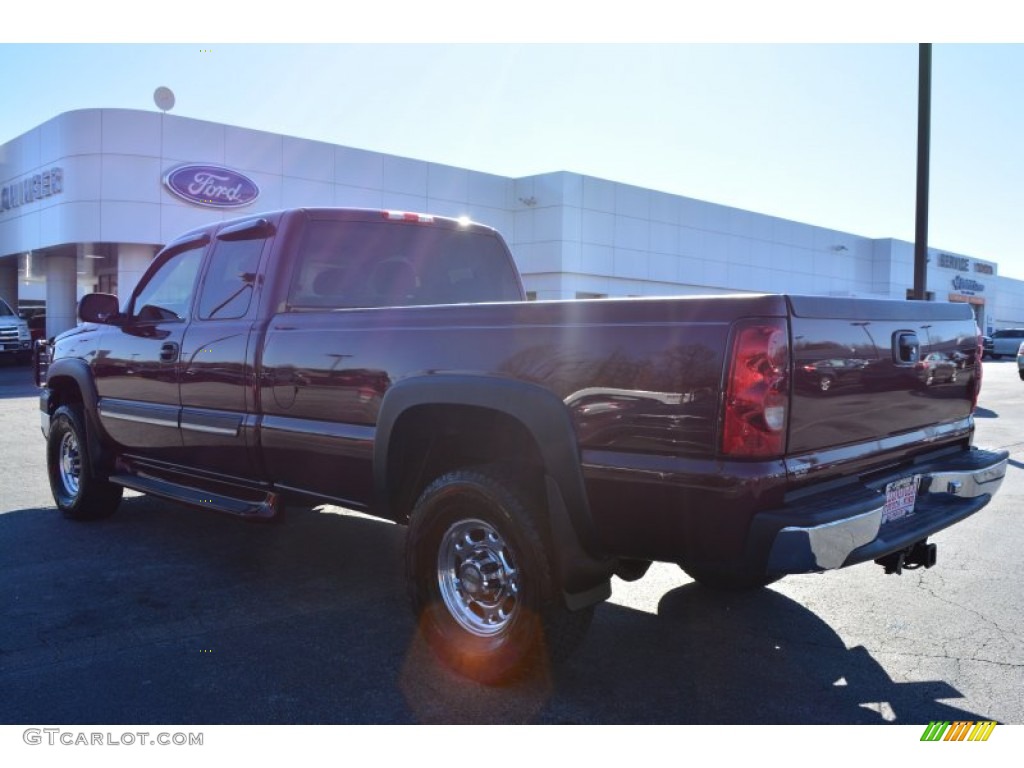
(386, 362)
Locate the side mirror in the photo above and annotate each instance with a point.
(98, 307)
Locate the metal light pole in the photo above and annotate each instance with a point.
(924, 122)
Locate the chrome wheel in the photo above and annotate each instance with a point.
(69, 466)
(478, 578)
(80, 494)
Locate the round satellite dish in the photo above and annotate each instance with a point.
(164, 98)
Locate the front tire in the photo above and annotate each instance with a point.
(78, 492)
(479, 577)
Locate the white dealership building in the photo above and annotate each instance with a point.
(88, 197)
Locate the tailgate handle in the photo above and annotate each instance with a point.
(905, 347)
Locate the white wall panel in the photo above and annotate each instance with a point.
(130, 132)
(447, 183)
(130, 177)
(73, 222)
(663, 267)
(631, 233)
(597, 259)
(598, 195)
(597, 227)
(664, 238)
(72, 133)
(176, 218)
(253, 151)
(632, 201)
(547, 224)
(129, 222)
(357, 197)
(407, 177)
(484, 189)
(83, 179)
(304, 159)
(191, 141)
(631, 263)
(522, 231)
(304, 193)
(396, 201)
(665, 207)
(358, 168)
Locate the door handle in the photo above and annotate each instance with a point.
(169, 352)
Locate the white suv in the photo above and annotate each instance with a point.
(1006, 342)
(15, 338)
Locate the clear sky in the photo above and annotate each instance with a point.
(819, 133)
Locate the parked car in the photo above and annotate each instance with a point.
(37, 326)
(1006, 342)
(15, 341)
(935, 367)
(986, 346)
(1020, 361)
(825, 375)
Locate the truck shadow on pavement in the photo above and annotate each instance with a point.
(164, 614)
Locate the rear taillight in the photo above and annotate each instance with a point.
(757, 392)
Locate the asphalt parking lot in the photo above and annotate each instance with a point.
(163, 614)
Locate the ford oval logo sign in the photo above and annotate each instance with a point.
(211, 185)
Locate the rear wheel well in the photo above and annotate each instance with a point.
(428, 441)
(63, 391)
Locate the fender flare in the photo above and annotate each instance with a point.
(78, 371)
(582, 560)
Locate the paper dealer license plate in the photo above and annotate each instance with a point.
(900, 496)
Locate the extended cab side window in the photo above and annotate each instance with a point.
(230, 279)
(346, 264)
(167, 293)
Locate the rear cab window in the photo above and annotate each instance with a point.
(347, 264)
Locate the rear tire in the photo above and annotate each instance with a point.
(479, 577)
(79, 493)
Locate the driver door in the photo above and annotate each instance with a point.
(137, 366)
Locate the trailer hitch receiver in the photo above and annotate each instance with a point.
(918, 555)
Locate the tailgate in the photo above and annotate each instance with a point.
(866, 370)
